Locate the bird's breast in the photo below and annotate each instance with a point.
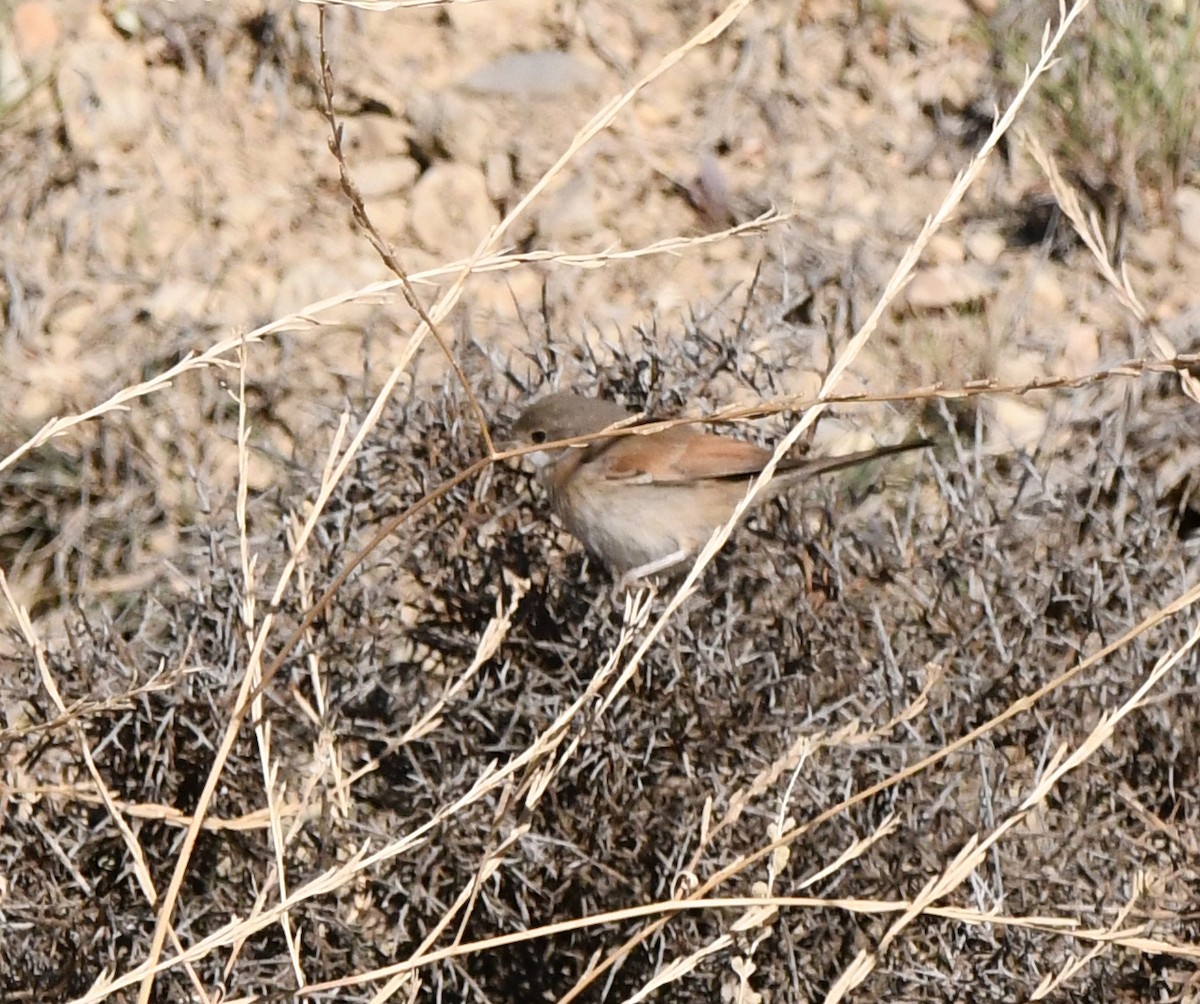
(629, 523)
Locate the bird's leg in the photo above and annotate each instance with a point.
(653, 567)
(623, 595)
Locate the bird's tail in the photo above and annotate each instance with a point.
(812, 466)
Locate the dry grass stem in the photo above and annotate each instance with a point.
(950, 701)
(1091, 232)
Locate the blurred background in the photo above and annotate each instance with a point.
(166, 185)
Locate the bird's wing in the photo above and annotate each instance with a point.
(683, 455)
(679, 456)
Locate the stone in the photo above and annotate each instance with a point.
(985, 246)
(106, 99)
(498, 174)
(531, 74)
(569, 213)
(451, 210)
(945, 249)
(384, 176)
(35, 29)
(465, 130)
(949, 286)
(1081, 350)
(14, 81)
(1020, 425)
(1187, 205)
(1047, 298)
(179, 298)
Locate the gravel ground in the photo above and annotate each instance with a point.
(893, 673)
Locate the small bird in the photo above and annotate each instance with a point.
(645, 504)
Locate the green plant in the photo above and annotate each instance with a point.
(1122, 108)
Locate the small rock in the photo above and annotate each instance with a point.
(127, 21)
(1081, 350)
(847, 230)
(952, 82)
(985, 246)
(72, 320)
(1187, 205)
(465, 131)
(1021, 425)
(451, 211)
(390, 214)
(52, 379)
(667, 110)
(106, 98)
(531, 74)
(498, 173)
(946, 249)
(1021, 366)
(14, 81)
(950, 286)
(1183, 329)
(1104, 312)
(35, 29)
(337, 271)
(1047, 298)
(254, 216)
(385, 176)
(494, 295)
(1153, 246)
(711, 195)
(806, 160)
(569, 212)
(179, 298)
(938, 22)
(223, 459)
(801, 383)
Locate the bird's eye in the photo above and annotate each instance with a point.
(538, 436)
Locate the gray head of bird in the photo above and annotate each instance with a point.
(563, 415)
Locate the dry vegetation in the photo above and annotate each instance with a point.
(307, 698)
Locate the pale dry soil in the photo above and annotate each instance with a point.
(166, 182)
